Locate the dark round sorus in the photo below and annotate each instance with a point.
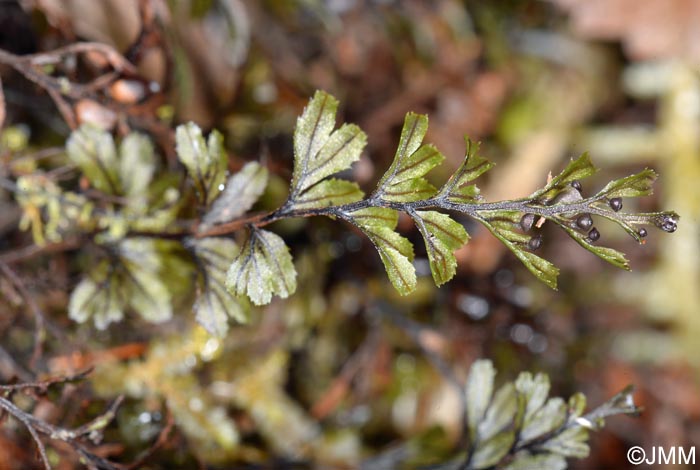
(584, 221)
(535, 242)
(526, 222)
(576, 185)
(594, 234)
(642, 232)
(615, 203)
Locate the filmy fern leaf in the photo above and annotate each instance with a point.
(517, 426)
(205, 161)
(215, 305)
(241, 191)
(320, 152)
(403, 181)
(262, 268)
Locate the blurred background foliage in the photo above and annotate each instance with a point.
(346, 369)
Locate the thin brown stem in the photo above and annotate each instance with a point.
(59, 89)
(32, 251)
(72, 437)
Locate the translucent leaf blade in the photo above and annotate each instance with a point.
(140, 267)
(242, 191)
(478, 391)
(527, 461)
(534, 390)
(205, 163)
(94, 151)
(262, 268)
(409, 191)
(541, 268)
(546, 419)
(215, 305)
(396, 253)
(442, 236)
(458, 188)
(137, 164)
(570, 443)
(610, 255)
(640, 184)
(490, 452)
(577, 405)
(342, 149)
(372, 217)
(99, 296)
(577, 169)
(330, 192)
(149, 297)
(417, 164)
(414, 128)
(501, 412)
(313, 128)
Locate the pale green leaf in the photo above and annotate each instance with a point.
(403, 181)
(490, 452)
(205, 162)
(610, 255)
(500, 414)
(410, 190)
(396, 252)
(100, 296)
(577, 169)
(343, 147)
(313, 128)
(577, 405)
(148, 296)
(330, 192)
(375, 217)
(526, 461)
(572, 442)
(319, 152)
(442, 237)
(546, 419)
(93, 150)
(240, 193)
(414, 128)
(414, 165)
(535, 391)
(541, 268)
(262, 268)
(457, 189)
(640, 184)
(137, 164)
(478, 391)
(141, 252)
(215, 305)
